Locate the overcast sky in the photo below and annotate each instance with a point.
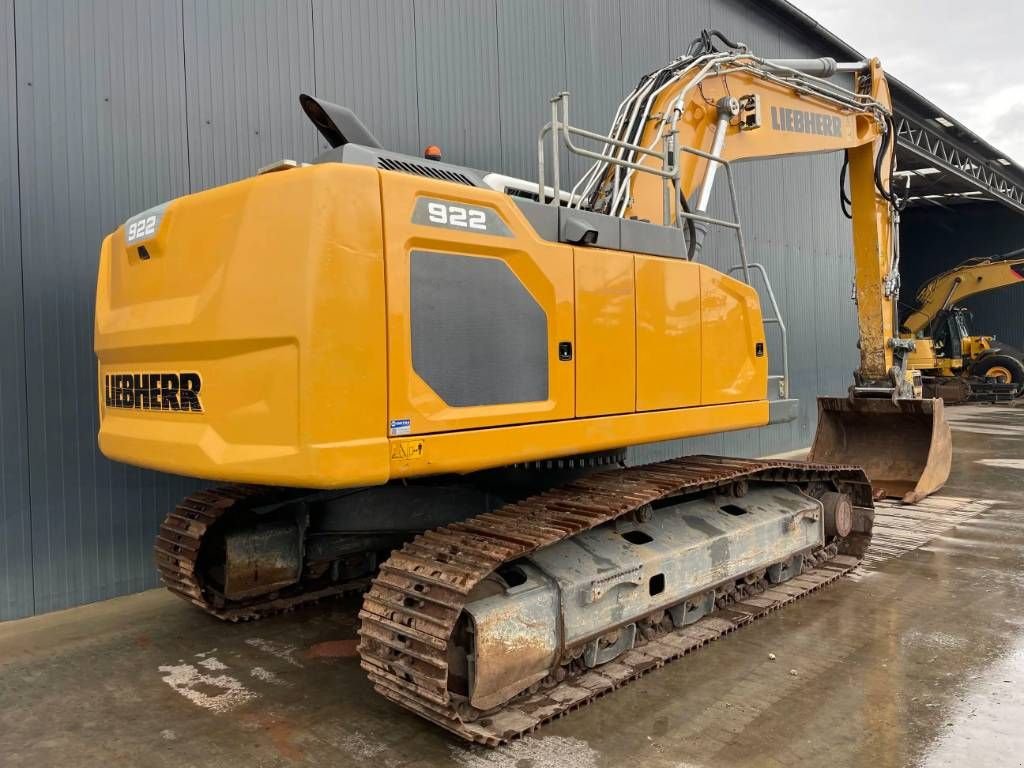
(966, 57)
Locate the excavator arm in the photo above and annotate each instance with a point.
(963, 281)
(709, 110)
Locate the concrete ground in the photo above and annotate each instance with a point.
(919, 660)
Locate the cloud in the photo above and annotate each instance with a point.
(1009, 126)
(965, 61)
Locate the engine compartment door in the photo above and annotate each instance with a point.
(480, 311)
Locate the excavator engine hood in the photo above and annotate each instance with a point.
(904, 446)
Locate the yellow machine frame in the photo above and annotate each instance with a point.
(275, 399)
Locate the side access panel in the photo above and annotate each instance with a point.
(668, 333)
(605, 332)
(734, 355)
(478, 308)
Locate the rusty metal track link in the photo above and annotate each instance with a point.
(180, 541)
(412, 607)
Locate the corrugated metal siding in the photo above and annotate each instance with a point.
(15, 529)
(457, 79)
(120, 105)
(531, 69)
(593, 65)
(935, 240)
(366, 59)
(246, 62)
(643, 25)
(101, 135)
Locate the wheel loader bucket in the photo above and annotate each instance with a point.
(904, 446)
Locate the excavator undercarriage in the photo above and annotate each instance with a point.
(241, 552)
(494, 624)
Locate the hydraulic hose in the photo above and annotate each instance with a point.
(888, 194)
(844, 199)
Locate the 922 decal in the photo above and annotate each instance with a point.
(466, 218)
(456, 215)
(143, 226)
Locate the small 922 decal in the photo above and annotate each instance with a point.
(143, 226)
(400, 427)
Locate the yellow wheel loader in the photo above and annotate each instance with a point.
(417, 379)
(957, 364)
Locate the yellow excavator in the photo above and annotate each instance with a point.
(417, 380)
(957, 364)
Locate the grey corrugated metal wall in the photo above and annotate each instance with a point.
(936, 239)
(101, 133)
(110, 106)
(15, 530)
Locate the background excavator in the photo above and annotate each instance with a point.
(420, 378)
(959, 365)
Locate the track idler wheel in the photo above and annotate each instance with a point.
(838, 515)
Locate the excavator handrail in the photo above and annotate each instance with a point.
(775, 320)
(561, 127)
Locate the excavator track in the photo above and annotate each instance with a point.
(180, 542)
(412, 607)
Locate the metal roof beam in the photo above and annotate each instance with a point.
(947, 157)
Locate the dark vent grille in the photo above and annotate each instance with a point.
(390, 164)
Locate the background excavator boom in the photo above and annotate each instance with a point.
(968, 279)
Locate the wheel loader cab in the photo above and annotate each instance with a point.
(952, 333)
